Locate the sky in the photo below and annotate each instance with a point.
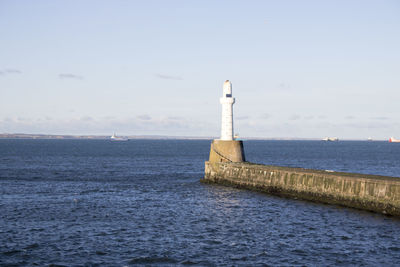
(299, 69)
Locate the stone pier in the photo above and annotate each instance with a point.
(368, 192)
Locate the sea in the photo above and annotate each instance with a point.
(141, 203)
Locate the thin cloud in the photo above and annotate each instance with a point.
(349, 117)
(168, 77)
(309, 117)
(86, 118)
(380, 118)
(284, 86)
(10, 71)
(240, 118)
(175, 118)
(295, 117)
(173, 123)
(144, 117)
(369, 125)
(265, 116)
(22, 119)
(70, 76)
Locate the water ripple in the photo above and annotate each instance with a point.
(96, 204)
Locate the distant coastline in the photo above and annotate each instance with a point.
(154, 137)
(92, 137)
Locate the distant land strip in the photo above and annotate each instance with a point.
(155, 137)
(94, 137)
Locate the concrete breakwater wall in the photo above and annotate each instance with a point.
(369, 192)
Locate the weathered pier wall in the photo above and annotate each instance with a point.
(369, 192)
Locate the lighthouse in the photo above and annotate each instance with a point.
(227, 102)
(226, 149)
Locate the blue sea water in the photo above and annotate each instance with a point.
(102, 203)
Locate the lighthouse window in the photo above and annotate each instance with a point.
(228, 95)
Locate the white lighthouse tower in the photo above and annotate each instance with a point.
(226, 149)
(227, 102)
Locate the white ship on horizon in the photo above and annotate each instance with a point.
(331, 139)
(114, 137)
(393, 140)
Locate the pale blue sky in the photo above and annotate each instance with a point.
(305, 69)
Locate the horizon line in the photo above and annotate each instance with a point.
(159, 136)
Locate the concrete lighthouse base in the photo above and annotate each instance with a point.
(227, 151)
